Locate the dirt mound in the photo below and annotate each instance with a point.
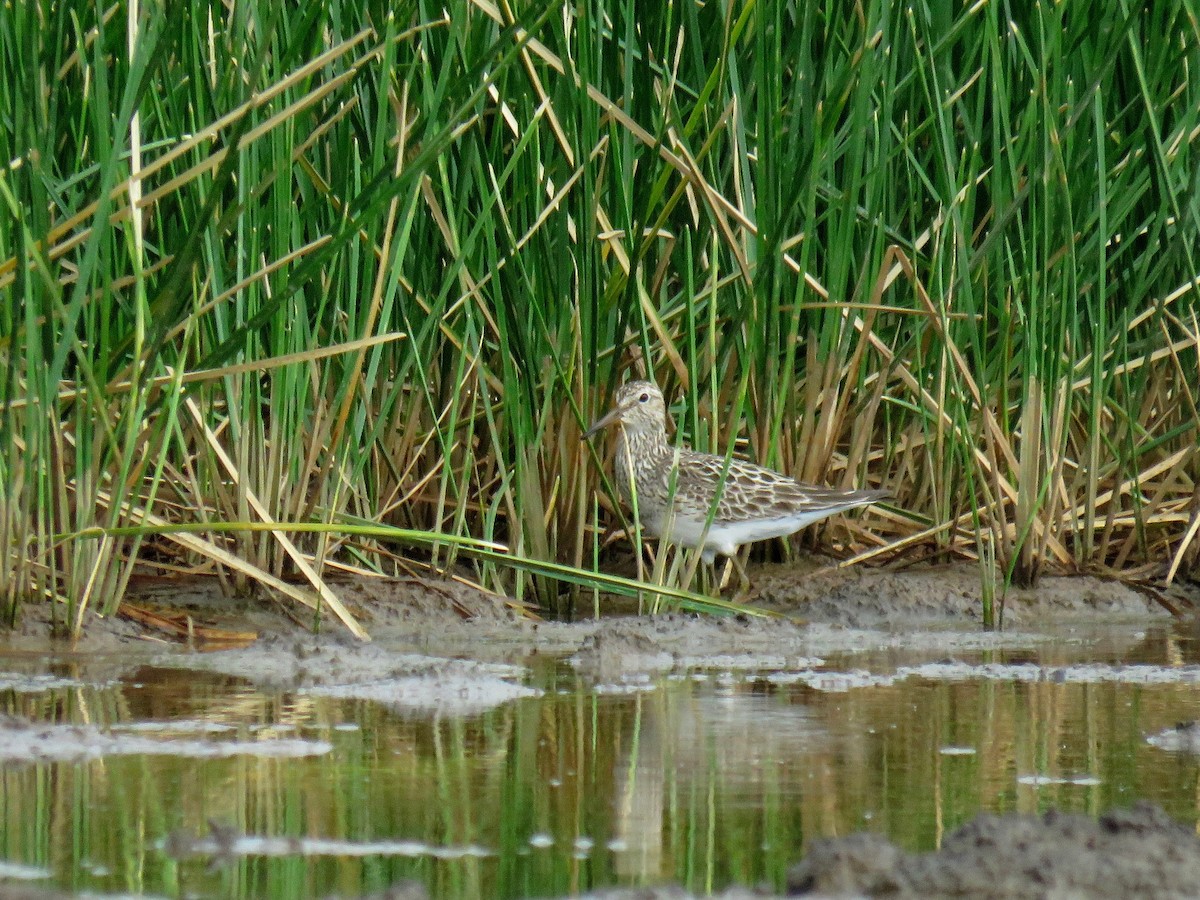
(1139, 852)
(863, 597)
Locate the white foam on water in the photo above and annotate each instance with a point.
(15, 871)
(255, 845)
(445, 694)
(1039, 780)
(1182, 739)
(34, 742)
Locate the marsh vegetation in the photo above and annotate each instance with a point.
(296, 290)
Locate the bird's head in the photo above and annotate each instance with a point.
(638, 406)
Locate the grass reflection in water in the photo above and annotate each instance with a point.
(706, 779)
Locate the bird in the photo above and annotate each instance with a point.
(674, 490)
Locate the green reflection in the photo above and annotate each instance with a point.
(703, 779)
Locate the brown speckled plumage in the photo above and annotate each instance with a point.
(675, 487)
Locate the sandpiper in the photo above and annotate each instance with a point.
(675, 488)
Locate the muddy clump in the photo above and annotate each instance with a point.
(1138, 852)
(863, 597)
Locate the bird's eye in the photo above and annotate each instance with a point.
(643, 398)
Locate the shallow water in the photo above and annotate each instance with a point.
(181, 783)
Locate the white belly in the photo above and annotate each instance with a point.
(724, 538)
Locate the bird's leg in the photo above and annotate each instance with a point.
(743, 588)
(729, 562)
(743, 591)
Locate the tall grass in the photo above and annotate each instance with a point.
(380, 263)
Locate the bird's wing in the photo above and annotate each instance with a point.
(754, 492)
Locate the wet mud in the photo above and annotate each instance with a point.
(1137, 852)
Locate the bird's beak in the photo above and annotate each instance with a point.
(604, 421)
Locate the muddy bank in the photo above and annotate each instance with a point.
(864, 597)
(446, 647)
(1138, 852)
(443, 647)
(448, 616)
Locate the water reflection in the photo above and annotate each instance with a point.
(705, 778)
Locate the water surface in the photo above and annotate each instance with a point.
(181, 783)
